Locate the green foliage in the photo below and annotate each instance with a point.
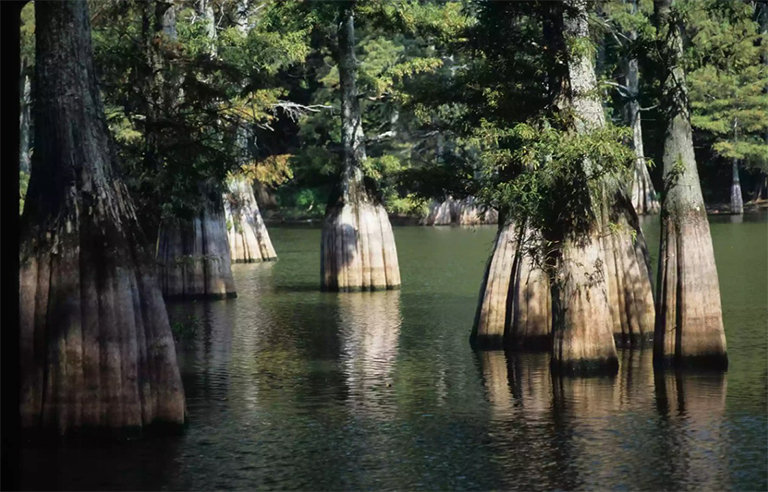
(728, 79)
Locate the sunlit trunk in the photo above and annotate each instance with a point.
(358, 247)
(581, 311)
(689, 320)
(248, 237)
(515, 302)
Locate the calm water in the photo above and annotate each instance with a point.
(290, 388)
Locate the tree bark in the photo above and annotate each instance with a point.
(515, 300)
(248, 237)
(96, 346)
(582, 316)
(689, 322)
(357, 247)
(194, 258)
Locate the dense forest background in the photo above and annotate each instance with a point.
(195, 91)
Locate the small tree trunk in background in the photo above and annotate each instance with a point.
(96, 347)
(643, 194)
(248, 237)
(193, 256)
(358, 247)
(25, 120)
(689, 321)
(582, 317)
(442, 213)
(737, 202)
(472, 214)
(515, 301)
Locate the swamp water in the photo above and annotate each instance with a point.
(291, 388)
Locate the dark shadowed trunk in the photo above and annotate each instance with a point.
(96, 346)
(689, 321)
(248, 237)
(357, 246)
(193, 255)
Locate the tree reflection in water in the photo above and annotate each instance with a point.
(547, 430)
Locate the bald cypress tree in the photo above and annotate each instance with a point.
(689, 319)
(96, 346)
(358, 247)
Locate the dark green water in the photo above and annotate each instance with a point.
(290, 388)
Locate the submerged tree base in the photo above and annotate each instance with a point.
(514, 310)
(358, 250)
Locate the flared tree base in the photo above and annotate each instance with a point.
(358, 250)
(689, 323)
(514, 309)
(246, 232)
(194, 259)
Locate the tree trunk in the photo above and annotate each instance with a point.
(442, 213)
(471, 214)
(193, 256)
(358, 247)
(643, 194)
(248, 237)
(515, 301)
(25, 120)
(689, 322)
(737, 202)
(96, 346)
(581, 312)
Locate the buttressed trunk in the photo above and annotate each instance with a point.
(357, 247)
(248, 237)
(582, 318)
(515, 301)
(442, 213)
(470, 213)
(689, 321)
(96, 347)
(193, 255)
(737, 201)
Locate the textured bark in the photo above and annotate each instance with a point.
(248, 237)
(628, 269)
(582, 316)
(193, 257)
(689, 321)
(96, 347)
(515, 302)
(357, 246)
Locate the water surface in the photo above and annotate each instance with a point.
(291, 388)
